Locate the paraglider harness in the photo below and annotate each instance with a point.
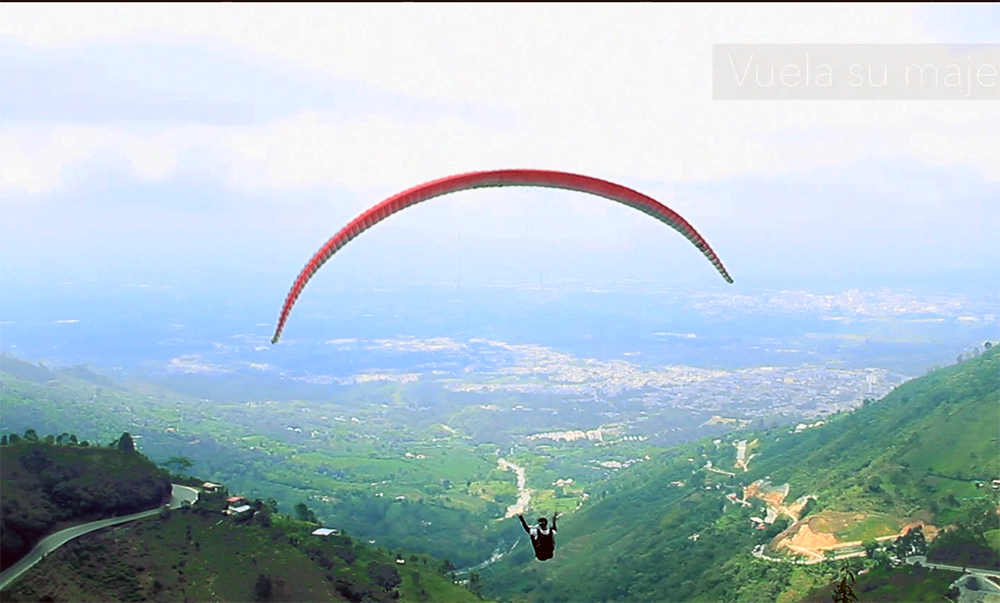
(542, 537)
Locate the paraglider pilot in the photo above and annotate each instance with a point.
(542, 537)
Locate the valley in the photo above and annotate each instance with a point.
(438, 456)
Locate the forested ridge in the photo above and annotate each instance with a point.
(52, 481)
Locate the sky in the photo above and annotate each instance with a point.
(232, 140)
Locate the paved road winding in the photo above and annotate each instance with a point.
(975, 571)
(178, 495)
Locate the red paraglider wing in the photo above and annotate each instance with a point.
(497, 178)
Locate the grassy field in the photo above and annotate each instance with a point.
(871, 527)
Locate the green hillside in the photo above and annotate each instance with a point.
(49, 486)
(450, 485)
(665, 529)
(198, 554)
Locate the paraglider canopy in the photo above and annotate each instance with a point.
(495, 178)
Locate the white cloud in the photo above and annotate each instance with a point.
(35, 158)
(32, 159)
(152, 157)
(513, 55)
(618, 91)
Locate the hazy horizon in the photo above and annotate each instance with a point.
(214, 149)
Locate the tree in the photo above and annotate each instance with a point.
(3, 440)
(780, 525)
(911, 543)
(383, 575)
(808, 508)
(14, 438)
(476, 584)
(844, 593)
(952, 594)
(987, 345)
(72, 439)
(181, 463)
(262, 588)
(881, 559)
(304, 513)
(493, 509)
(875, 484)
(125, 443)
(870, 547)
(30, 435)
(919, 543)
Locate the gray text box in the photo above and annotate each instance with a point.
(856, 71)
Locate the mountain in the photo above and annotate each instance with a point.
(685, 525)
(679, 525)
(47, 487)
